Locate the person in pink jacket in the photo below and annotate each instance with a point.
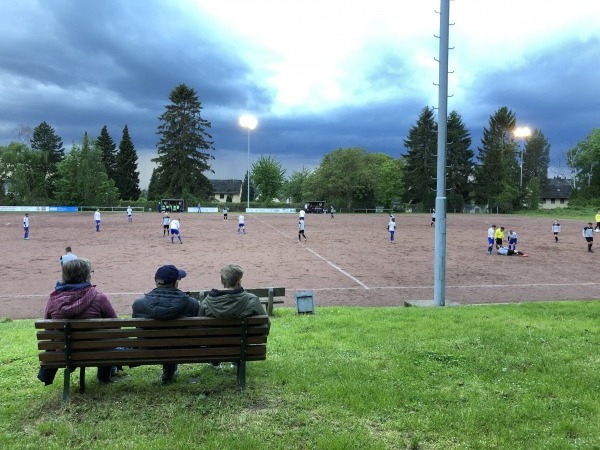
(75, 297)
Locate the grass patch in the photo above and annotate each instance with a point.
(472, 377)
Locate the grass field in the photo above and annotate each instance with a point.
(518, 376)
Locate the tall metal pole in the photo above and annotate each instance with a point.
(248, 186)
(439, 273)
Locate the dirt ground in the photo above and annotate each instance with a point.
(348, 260)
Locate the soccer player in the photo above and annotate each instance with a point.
(301, 230)
(97, 219)
(68, 256)
(166, 220)
(332, 211)
(588, 234)
(392, 229)
(556, 230)
(510, 252)
(512, 240)
(225, 211)
(174, 226)
(432, 218)
(26, 226)
(129, 214)
(241, 224)
(491, 235)
(498, 237)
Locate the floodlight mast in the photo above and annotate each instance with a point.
(439, 272)
(249, 122)
(522, 133)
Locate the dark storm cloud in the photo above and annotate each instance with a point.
(82, 65)
(555, 91)
(115, 63)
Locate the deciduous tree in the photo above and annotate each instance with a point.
(83, 179)
(267, 176)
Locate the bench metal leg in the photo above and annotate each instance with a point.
(81, 380)
(270, 304)
(241, 375)
(66, 384)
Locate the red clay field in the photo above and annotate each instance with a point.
(347, 261)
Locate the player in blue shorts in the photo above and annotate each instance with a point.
(491, 233)
(26, 226)
(241, 224)
(512, 240)
(174, 226)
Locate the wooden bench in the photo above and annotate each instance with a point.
(268, 296)
(69, 344)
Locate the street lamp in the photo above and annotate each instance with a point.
(522, 133)
(249, 122)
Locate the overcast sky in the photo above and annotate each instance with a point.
(318, 74)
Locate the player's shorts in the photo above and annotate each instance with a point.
(165, 227)
(589, 239)
(512, 241)
(301, 218)
(174, 231)
(240, 225)
(490, 241)
(498, 241)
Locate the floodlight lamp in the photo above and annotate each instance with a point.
(248, 121)
(522, 132)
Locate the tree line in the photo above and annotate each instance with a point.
(506, 173)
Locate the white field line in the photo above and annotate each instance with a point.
(356, 280)
(372, 288)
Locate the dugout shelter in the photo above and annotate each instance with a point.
(314, 207)
(172, 205)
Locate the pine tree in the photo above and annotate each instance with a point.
(46, 141)
(420, 160)
(128, 178)
(108, 150)
(459, 161)
(183, 147)
(497, 176)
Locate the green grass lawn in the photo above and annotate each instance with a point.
(520, 376)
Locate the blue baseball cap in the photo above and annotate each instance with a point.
(169, 274)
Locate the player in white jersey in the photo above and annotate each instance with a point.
(97, 219)
(174, 226)
(392, 229)
(241, 223)
(556, 230)
(512, 240)
(301, 230)
(490, 238)
(129, 214)
(26, 226)
(166, 220)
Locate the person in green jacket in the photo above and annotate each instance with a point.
(232, 302)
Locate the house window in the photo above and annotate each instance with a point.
(562, 201)
(221, 196)
(552, 200)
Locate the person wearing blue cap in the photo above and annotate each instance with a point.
(166, 302)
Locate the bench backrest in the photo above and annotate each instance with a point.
(96, 342)
(259, 292)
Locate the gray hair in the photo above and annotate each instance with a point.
(231, 274)
(76, 271)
